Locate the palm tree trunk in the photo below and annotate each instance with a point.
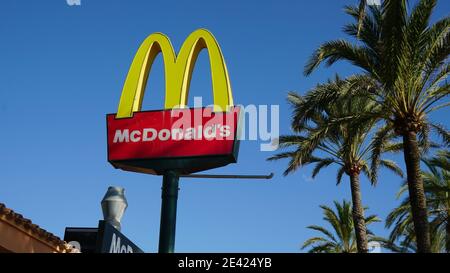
(358, 214)
(416, 192)
(447, 229)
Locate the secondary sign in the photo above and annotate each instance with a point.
(110, 240)
(103, 239)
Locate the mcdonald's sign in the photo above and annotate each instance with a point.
(177, 137)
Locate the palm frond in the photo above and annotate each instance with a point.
(322, 164)
(391, 165)
(339, 175)
(378, 144)
(324, 231)
(442, 131)
(334, 51)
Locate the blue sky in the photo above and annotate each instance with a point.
(62, 69)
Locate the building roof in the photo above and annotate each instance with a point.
(27, 226)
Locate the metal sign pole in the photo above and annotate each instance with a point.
(168, 212)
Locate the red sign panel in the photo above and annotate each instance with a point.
(187, 140)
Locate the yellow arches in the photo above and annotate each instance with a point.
(178, 71)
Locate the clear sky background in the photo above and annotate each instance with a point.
(62, 69)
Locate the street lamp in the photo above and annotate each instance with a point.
(114, 205)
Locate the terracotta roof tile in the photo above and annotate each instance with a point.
(28, 225)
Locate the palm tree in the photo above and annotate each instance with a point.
(437, 187)
(342, 239)
(405, 246)
(437, 191)
(406, 59)
(343, 144)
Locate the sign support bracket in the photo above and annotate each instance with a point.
(228, 176)
(169, 204)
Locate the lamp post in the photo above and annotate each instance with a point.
(114, 205)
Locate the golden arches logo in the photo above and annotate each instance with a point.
(178, 71)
